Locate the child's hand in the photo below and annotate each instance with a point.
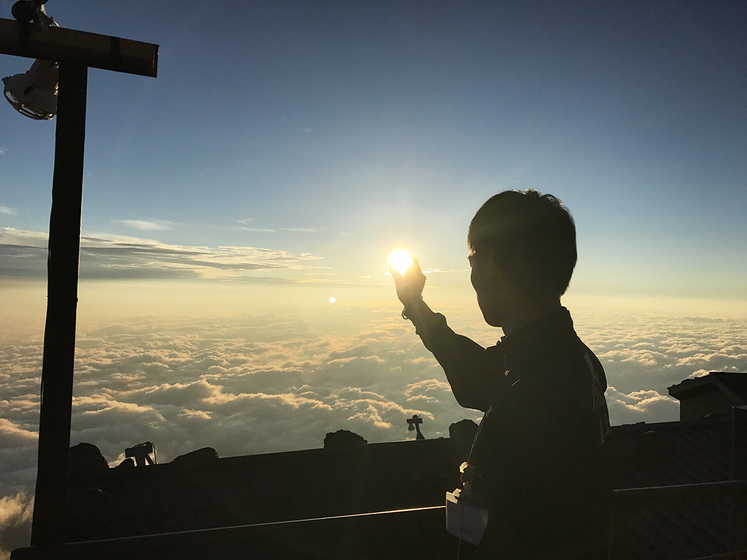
(410, 286)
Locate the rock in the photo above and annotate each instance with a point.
(198, 458)
(342, 438)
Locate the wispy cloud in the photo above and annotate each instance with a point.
(3, 150)
(23, 255)
(7, 210)
(257, 229)
(148, 225)
(246, 227)
(275, 230)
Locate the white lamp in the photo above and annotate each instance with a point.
(34, 94)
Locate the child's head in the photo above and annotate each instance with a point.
(532, 239)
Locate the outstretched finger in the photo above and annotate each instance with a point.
(414, 267)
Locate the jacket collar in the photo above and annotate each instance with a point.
(527, 340)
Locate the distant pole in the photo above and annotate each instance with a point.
(413, 424)
(62, 302)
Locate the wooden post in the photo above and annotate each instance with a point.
(62, 301)
(75, 51)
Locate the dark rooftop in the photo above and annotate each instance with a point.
(732, 383)
(714, 393)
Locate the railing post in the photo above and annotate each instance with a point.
(739, 472)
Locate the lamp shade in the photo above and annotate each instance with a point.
(34, 94)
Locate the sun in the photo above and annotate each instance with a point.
(400, 260)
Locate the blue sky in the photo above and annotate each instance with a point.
(286, 147)
(343, 130)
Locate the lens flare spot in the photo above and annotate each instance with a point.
(400, 260)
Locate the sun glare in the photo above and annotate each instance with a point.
(400, 260)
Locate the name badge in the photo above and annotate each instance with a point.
(466, 515)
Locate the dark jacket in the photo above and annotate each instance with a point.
(537, 455)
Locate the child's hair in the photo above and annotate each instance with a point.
(531, 236)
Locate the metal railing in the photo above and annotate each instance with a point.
(406, 534)
(627, 502)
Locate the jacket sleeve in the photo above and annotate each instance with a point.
(470, 369)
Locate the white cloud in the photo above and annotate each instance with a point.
(641, 406)
(20, 237)
(656, 352)
(15, 522)
(12, 435)
(7, 210)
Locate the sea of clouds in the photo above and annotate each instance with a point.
(266, 383)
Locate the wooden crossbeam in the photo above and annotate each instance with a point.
(81, 47)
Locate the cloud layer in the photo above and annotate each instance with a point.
(266, 383)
